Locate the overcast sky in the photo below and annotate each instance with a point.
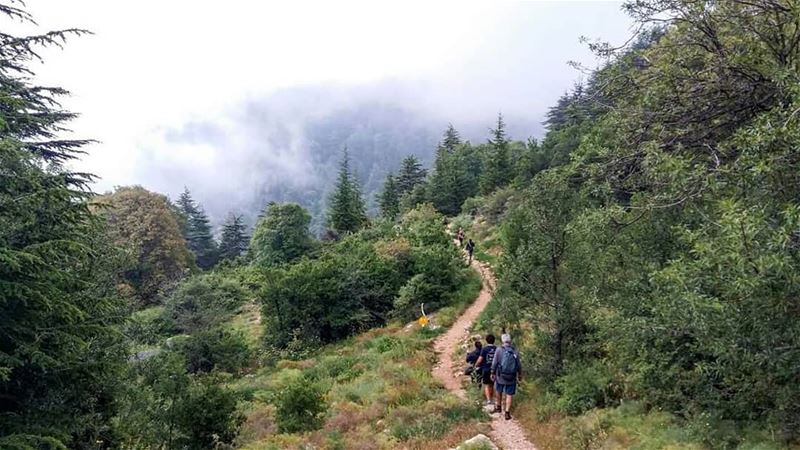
(155, 65)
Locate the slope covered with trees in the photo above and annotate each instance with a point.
(654, 253)
(646, 251)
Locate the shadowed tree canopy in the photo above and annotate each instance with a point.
(234, 240)
(281, 235)
(410, 175)
(60, 352)
(346, 209)
(389, 198)
(142, 223)
(497, 171)
(197, 231)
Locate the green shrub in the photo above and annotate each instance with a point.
(208, 416)
(149, 326)
(205, 301)
(583, 389)
(219, 348)
(496, 205)
(300, 406)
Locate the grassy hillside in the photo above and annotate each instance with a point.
(375, 392)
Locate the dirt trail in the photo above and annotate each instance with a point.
(507, 434)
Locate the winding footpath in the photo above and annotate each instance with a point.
(507, 434)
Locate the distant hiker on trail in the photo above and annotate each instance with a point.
(460, 237)
(470, 249)
(472, 362)
(506, 373)
(484, 362)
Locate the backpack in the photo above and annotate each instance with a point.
(509, 363)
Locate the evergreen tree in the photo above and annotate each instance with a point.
(347, 212)
(198, 231)
(389, 198)
(451, 139)
(234, 240)
(60, 348)
(281, 234)
(411, 174)
(498, 165)
(449, 182)
(143, 223)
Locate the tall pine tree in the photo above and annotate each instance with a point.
(198, 231)
(410, 175)
(60, 346)
(346, 210)
(451, 139)
(234, 240)
(498, 171)
(389, 198)
(450, 181)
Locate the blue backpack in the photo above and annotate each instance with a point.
(509, 362)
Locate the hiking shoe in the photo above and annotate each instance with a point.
(508, 415)
(498, 409)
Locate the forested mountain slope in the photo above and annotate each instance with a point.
(646, 252)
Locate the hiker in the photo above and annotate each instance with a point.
(460, 237)
(484, 362)
(470, 248)
(473, 356)
(506, 373)
(472, 368)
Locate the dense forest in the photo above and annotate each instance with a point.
(646, 251)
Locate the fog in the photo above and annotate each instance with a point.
(247, 102)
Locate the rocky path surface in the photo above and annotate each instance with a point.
(507, 434)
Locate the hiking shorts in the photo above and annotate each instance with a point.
(508, 389)
(487, 378)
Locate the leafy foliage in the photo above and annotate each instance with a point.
(281, 235)
(352, 285)
(656, 251)
(204, 301)
(218, 348)
(164, 407)
(300, 406)
(142, 223)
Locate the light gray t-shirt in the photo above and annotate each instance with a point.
(498, 356)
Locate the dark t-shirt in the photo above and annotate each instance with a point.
(488, 356)
(473, 356)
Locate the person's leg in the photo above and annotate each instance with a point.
(488, 392)
(510, 390)
(498, 393)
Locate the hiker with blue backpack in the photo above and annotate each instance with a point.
(506, 373)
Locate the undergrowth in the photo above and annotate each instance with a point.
(377, 392)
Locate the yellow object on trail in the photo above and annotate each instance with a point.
(423, 321)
